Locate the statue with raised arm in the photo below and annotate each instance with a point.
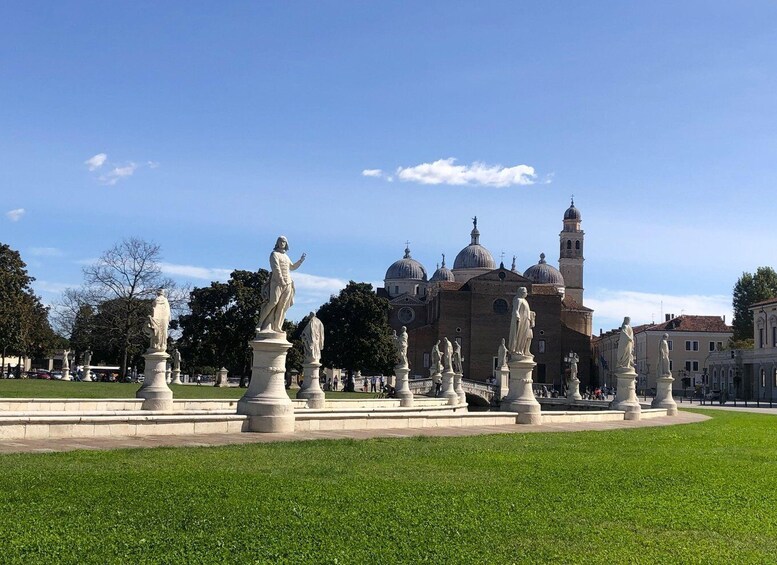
(313, 339)
(158, 321)
(447, 355)
(176, 360)
(436, 359)
(501, 356)
(662, 367)
(458, 361)
(278, 291)
(625, 358)
(400, 347)
(521, 325)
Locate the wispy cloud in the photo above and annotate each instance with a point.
(50, 287)
(46, 252)
(194, 272)
(15, 215)
(118, 173)
(446, 171)
(372, 172)
(95, 162)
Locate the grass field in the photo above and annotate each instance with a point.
(34, 388)
(694, 493)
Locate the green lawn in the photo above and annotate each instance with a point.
(695, 493)
(35, 388)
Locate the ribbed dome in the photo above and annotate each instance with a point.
(442, 273)
(572, 213)
(474, 256)
(406, 268)
(542, 273)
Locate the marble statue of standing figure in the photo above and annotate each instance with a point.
(625, 358)
(501, 356)
(65, 360)
(313, 339)
(573, 359)
(400, 347)
(87, 359)
(176, 360)
(447, 356)
(458, 361)
(157, 322)
(278, 291)
(662, 367)
(436, 366)
(521, 325)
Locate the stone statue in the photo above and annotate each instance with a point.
(157, 322)
(313, 339)
(662, 367)
(65, 360)
(176, 360)
(625, 358)
(87, 358)
(501, 356)
(573, 359)
(521, 325)
(400, 346)
(447, 356)
(457, 359)
(436, 359)
(278, 291)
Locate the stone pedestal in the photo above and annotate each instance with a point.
(266, 402)
(176, 377)
(86, 375)
(402, 390)
(459, 390)
(503, 382)
(155, 393)
(221, 377)
(573, 391)
(168, 376)
(436, 378)
(448, 391)
(626, 395)
(66, 375)
(311, 386)
(520, 397)
(663, 397)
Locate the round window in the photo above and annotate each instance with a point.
(406, 315)
(500, 306)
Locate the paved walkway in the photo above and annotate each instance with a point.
(209, 440)
(751, 407)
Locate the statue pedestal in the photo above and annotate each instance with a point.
(176, 377)
(402, 390)
(626, 395)
(221, 377)
(573, 391)
(66, 375)
(663, 397)
(448, 391)
(520, 397)
(503, 383)
(155, 393)
(436, 378)
(311, 386)
(87, 376)
(458, 388)
(266, 402)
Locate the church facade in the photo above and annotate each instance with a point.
(471, 304)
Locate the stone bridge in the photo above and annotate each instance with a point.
(478, 393)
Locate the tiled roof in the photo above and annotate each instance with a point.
(763, 302)
(714, 324)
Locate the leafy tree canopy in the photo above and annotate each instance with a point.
(749, 289)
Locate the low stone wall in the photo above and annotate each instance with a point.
(105, 404)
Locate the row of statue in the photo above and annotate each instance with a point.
(625, 354)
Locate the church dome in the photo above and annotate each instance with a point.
(572, 213)
(474, 256)
(542, 273)
(406, 268)
(443, 273)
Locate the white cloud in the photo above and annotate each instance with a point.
(611, 306)
(305, 282)
(445, 171)
(15, 215)
(152, 164)
(96, 162)
(118, 173)
(372, 173)
(46, 252)
(51, 287)
(193, 272)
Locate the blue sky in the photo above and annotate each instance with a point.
(224, 125)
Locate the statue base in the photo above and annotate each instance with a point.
(459, 390)
(436, 378)
(573, 391)
(66, 376)
(176, 377)
(663, 397)
(222, 378)
(402, 390)
(448, 391)
(626, 395)
(155, 393)
(503, 383)
(311, 386)
(520, 397)
(87, 377)
(266, 402)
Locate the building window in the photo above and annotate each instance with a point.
(669, 341)
(569, 245)
(406, 315)
(712, 346)
(760, 337)
(670, 365)
(577, 245)
(500, 306)
(774, 336)
(396, 290)
(692, 366)
(691, 345)
(763, 378)
(541, 346)
(426, 360)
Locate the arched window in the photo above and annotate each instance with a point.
(577, 245)
(569, 244)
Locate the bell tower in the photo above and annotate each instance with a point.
(570, 261)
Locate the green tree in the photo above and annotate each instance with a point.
(357, 336)
(749, 289)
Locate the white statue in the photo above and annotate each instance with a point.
(662, 367)
(400, 347)
(176, 360)
(157, 322)
(447, 356)
(625, 358)
(521, 326)
(278, 291)
(436, 359)
(65, 361)
(458, 361)
(313, 339)
(501, 356)
(573, 359)
(87, 359)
